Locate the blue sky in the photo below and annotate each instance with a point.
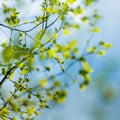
(79, 105)
(83, 105)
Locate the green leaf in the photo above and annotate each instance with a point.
(105, 45)
(82, 87)
(78, 11)
(7, 54)
(91, 49)
(30, 111)
(47, 68)
(66, 31)
(101, 52)
(88, 2)
(43, 82)
(95, 30)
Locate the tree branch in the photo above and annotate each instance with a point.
(21, 30)
(6, 75)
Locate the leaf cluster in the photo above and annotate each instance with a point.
(40, 49)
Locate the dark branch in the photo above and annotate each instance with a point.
(6, 75)
(53, 22)
(21, 30)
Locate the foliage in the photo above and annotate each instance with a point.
(41, 42)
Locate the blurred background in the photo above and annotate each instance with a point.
(101, 99)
